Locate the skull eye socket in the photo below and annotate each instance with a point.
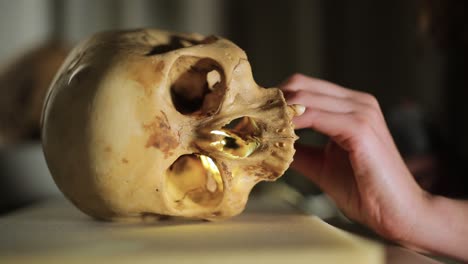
(194, 179)
(197, 85)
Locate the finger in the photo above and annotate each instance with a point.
(299, 82)
(325, 102)
(368, 112)
(323, 121)
(346, 129)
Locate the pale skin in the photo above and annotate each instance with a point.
(362, 171)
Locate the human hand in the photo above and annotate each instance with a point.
(360, 168)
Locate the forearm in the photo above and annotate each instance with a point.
(442, 228)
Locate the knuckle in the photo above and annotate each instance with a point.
(371, 100)
(373, 114)
(362, 125)
(297, 77)
(293, 82)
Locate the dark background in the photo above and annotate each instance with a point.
(403, 52)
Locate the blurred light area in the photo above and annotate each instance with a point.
(23, 25)
(27, 23)
(24, 176)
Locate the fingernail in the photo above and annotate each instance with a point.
(298, 109)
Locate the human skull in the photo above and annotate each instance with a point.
(148, 122)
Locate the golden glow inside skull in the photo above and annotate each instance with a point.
(151, 122)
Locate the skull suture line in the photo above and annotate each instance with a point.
(151, 122)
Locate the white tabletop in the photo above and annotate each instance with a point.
(269, 232)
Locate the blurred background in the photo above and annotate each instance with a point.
(410, 54)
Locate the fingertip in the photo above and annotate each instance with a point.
(298, 109)
(290, 83)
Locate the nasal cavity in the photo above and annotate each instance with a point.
(240, 138)
(197, 85)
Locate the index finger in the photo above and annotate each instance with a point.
(298, 82)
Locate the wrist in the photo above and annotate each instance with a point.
(419, 220)
(400, 221)
(440, 227)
